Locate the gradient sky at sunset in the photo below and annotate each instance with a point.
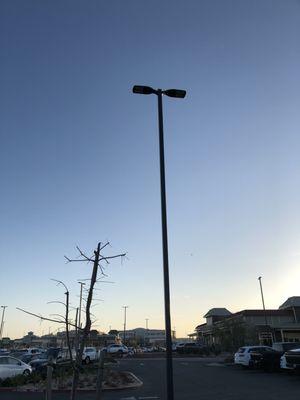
(79, 155)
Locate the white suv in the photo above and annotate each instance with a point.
(243, 355)
(117, 349)
(89, 354)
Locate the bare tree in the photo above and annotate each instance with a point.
(97, 259)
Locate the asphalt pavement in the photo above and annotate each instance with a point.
(195, 379)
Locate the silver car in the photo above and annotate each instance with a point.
(10, 366)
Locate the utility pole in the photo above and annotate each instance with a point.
(263, 301)
(124, 334)
(80, 301)
(2, 321)
(146, 334)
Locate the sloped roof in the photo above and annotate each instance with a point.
(259, 313)
(291, 302)
(217, 312)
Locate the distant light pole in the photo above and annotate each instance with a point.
(80, 301)
(146, 333)
(2, 321)
(177, 94)
(262, 299)
(124, 334)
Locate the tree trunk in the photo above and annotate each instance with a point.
(87, 327)
(100, 374)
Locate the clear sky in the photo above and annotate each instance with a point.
(79, 155)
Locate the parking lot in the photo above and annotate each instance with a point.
(195, 379)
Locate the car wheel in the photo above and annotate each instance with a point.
(26, 372)
(87, 360)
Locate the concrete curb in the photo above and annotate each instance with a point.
(134, 385)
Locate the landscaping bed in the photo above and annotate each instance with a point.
(62, 380)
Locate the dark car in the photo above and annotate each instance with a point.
(26, 358)
(192, 348)
(293, 359)
(269, 359)
(266, 358)
(39, 362)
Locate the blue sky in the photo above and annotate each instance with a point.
(79, 154)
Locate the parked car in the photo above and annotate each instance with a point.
(89, 354)
(283, 362)
(19, 353)
(10, 366)
(39, 362)
(34, 350)
(243, 355)
(26, 358)
(131, 351)
(178, 345)
(146, 349)
(192, 348)
(117, 349)
(291, 359)
(273, 360)
(267, 359)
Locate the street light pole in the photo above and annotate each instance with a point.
(263, 301)
(177, 94)
(146, 333)
(2, 321)
(80, 301)
(124, 334)
(170, 384)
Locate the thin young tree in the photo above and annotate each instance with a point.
(98, 259)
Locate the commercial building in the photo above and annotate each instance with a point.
(248, 327)
(145, 336)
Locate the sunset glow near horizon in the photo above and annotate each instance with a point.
(79, 156)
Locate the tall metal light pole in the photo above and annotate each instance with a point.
(177, 94)
(2, 321)
(124, 334)
(262, 299)
(146, 333)
(80, 302)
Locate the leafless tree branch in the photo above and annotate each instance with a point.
(57, 302)
(60, 283)
(45, 318)
(110, 257)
